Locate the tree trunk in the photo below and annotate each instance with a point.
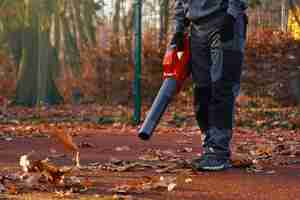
(284, 16)
(116, 24)
(127, 22)
(164, 15)
(35, 79)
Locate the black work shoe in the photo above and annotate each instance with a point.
(210, 163)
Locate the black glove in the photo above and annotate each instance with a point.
(178, 40)
(227, 30)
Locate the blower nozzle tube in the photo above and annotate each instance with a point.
(162, 100)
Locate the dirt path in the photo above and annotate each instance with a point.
(235, 184)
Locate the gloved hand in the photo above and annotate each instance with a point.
(227, 30)
(178, 40)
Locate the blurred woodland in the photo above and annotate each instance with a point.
(82, 55)
(82, 51)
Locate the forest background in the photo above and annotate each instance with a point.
(83, 51)
(68, 71)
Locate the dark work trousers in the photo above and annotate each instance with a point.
(216, 70)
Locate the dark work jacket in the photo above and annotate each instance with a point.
(195, 10)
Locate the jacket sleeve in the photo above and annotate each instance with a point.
(237, 7)
(180, 15)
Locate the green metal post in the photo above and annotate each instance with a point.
(137, 61)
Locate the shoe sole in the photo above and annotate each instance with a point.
(212, 168)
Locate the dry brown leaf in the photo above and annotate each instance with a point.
(12, 189)
(66, 140)
(115, 197)
(63, 194)
(295, 121)
(53, 174)
(243, 100)
(168, 183)
(77, 159)
(32, 179)
(264, 151)
(24, 163)
(122, 148)
(87, 183)
(122, 189)
(241, 161)
(2, 188)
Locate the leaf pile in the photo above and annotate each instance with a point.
(42, 175)
(157, 160)
(151, 183)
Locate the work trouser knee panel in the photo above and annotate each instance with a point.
(226, 63)
(200, 60)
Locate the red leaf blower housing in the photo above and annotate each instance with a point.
(176, 71)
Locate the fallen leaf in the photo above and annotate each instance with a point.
(66, 140)
(77, 159)
(295, 121)
(188, 180)
(146, 184)
(86, 145)
(167, 169)
(122, 148)
(167, 183)
(270, 172)
(171, 186)
(52, 173)
(241, 161)
(32, 179)
(87, 183)
(63, 194)
(24, 163)
(123, 189)
(184, 142)
(186, 150)
(122, 166)
(12, 189)
(120, 197)
(263, 151)
(243, 100)
(297, 153)
(149, 157)
(8, 139)
(2, 188)
(75, 179)
(114, 197)
(156, 155)
(12, 177)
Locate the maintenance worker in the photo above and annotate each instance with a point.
(217, 40)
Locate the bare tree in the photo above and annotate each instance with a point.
(116, 23)
(164, 15)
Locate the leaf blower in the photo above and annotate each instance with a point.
(175, 71)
